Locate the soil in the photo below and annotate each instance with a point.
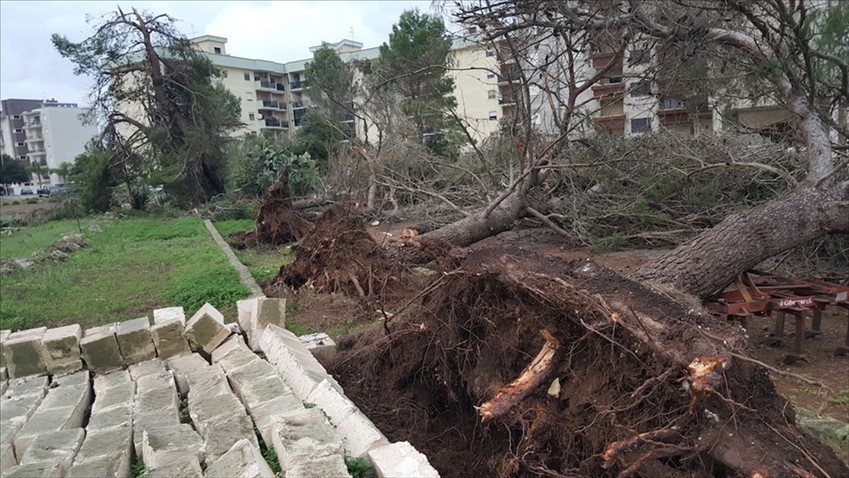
(6, 207)
(468, 334)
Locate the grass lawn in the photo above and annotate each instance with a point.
(130, 268)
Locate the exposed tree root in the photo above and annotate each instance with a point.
(647, 387)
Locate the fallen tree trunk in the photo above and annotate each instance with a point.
(706, 264)
(648, 387)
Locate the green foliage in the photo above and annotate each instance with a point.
(842, 398)
(12, 171)
(359, 468)
(415, 64)
(92, 174)
(320, 135)
(137, 468)
(262, 160)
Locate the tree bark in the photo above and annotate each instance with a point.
(712, 260)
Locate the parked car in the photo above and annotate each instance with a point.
(43, 191)
(26, 191)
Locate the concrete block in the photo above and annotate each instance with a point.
(293, 344)
(321, 346)
(232, 343)
(167, 418)
(27, 387)
(177, 466)
(168, 314)
(135, 340)
(323, 467)
(221, 434)
(243, 460)
(206, 330)
(246, 311)
(46, 421)
(179, 440)
(25, 353)
(211, 408)
(266, 415)
(74, 379)
(4, 334)
(48, 469)
(117, 441)
(109, 380)
(400, 460)
(299, 374)
(169, 339)
(113, 417)
(100, 350)
(358, 433)
(7, 457)
(77, 396)
(256, 382)
(8, 430)
(182, 366)
(237, 358)
(157, 400)
(117, 396)
(19, 409)
(268, 312)
(59, 447)
(62, 349)
(4, 376)
(303, 435)
(202, 380)
(148, 367)
(114, 465)
(155, 381)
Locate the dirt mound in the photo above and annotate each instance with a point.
(519, 365)
(338, 255)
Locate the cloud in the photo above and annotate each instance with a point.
(279, 31)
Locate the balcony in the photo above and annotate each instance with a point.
(300, 104)
(269, 85)
(615, 124)
(33, 124)
(276, 123)
(34, 139)
(507, 100)
(298, 85)
(272, 105)
(36, 151)
(600, 60)
(506, 80)
(614, 86)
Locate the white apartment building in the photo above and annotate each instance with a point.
(46, 132)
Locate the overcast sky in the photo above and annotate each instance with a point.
(278, 31)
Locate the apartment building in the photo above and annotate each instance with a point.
(44, 131)
(273, 95)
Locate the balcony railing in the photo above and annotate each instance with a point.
(301, 104)
(297, 85)
(270, 85)
(273, 104)
(276, 123)
(506, 100)
(504, 80)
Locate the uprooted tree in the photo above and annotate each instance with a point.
(166, 119)
(772, 43)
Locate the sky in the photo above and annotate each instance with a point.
(278, 31)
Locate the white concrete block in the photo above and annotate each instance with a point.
(322, 347)
(232, 343)
(25, 353)
(400, 460)
(358, 433)
(243, 460)
(303, 435)
(135, 340)
(178, 440)
(246, 311)
(7, 457)
(183, 365)
(60, 447)
(206, 330)
(300, 375)
(62, 349)
(169, 313)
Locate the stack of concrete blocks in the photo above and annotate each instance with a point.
(312, 384)
(217, 414)
(321, 346)
(155, 403)
(256, 313)
(108, 446)
(62, 349)
(19, 402)
(50, 439)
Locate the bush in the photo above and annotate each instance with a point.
(225, 208)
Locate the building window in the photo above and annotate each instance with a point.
(20, 145)
(490, 75)
(640, 125)
(639, 90)
(492, 94)
(217, 50)
(490, 52)
(16, 117)
(249, 96)
(247, 77)
(251, 116)
(493, 115)
(473, 30)
(22, 157)
(671, 103)
(19, 130)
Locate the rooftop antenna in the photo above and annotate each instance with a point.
(351, 31)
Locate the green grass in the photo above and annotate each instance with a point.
(359, 467)
(137, 469)
(132, 267)
(842, 397)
